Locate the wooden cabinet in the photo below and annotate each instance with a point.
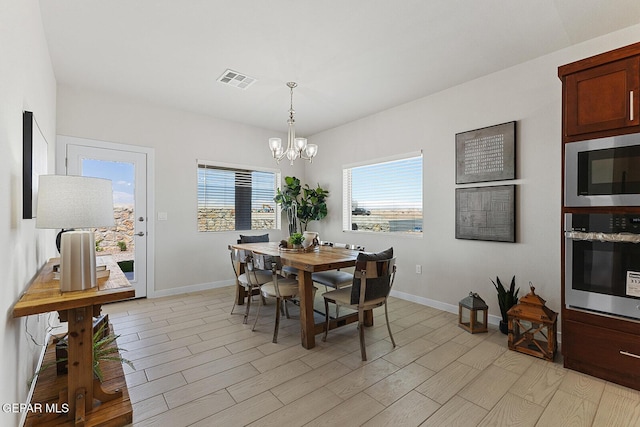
(601, 95)
(611, 352)
(600, 98)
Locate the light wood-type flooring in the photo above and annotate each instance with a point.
(197, 364)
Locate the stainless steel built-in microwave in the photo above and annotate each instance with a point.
(603, 172)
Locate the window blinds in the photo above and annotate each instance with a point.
(234, 198)
(384, 196)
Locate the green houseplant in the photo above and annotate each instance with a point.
(104, 348)
(302, 204)
(507, 298)
(296, 239)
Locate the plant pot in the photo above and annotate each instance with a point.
(504, 327)
(309, 238)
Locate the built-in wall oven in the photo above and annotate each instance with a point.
(603, 172)
(602, 263)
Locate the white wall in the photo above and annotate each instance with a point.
(27, 83)
(530, 94)
(185, 259)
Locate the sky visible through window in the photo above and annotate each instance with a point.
(121, 175)
(371, 182)
(216, 187)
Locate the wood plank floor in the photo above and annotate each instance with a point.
(197, 364)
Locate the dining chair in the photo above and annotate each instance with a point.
(278, 287)
(372, 282)
(336, 279)
(251, 281)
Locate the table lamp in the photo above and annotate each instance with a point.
(65, 202)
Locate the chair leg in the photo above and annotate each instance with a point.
(326, 319)
(386, 315)
(246, 313)
(277, 325)
(363, 350)
(286, 309)
(257, 313)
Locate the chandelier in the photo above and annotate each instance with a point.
(296, 147)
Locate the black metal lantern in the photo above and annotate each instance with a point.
(473, 313)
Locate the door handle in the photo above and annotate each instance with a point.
(631, 105)
(141, 233)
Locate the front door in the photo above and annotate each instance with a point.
(127, 241)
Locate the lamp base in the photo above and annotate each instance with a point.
(77, 261)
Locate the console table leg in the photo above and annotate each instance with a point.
(80, 358)
(80, 398)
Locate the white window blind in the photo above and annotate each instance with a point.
(384, 196)
(236, 198)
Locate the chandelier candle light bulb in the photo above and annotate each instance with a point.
(296, 147)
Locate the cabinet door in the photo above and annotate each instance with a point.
(603, 98)
(605, 353)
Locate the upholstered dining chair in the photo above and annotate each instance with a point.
(251, 281)
(372, 281)
(336, 279)
(278, 287)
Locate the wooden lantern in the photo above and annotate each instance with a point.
(473, 313)
(533, 327)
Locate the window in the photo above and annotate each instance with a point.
(236, 198)
(385, 196)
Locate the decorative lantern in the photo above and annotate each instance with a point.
(473, 313)
(533, 327)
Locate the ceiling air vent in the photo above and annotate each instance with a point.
(236, 79)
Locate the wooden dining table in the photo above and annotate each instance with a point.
(323, 258)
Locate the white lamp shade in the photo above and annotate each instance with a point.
(66, 201)
(275, 144)
(311, 150)
(300, 143)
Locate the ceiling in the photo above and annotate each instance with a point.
(350, 58)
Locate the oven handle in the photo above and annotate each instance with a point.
(603, 237)
(626, 353)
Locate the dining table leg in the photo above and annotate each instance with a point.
(307, 322)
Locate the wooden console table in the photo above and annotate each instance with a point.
(78, 309)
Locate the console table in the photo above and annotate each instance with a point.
(84, 395)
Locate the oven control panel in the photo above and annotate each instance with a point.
(606, 223)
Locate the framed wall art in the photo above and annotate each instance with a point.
(486, 213)
(487, 154)
(34, 163)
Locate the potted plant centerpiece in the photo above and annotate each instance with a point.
(302, 204)
(296, 240)
(507, 298)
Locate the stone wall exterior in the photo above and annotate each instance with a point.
(224, 220)
(107, 238)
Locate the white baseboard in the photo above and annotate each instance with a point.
(191, 288)
(32, 388)
(450, 308)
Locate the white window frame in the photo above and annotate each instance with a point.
(239, 167)
(347, 208)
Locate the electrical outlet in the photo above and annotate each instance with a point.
(418, 269)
